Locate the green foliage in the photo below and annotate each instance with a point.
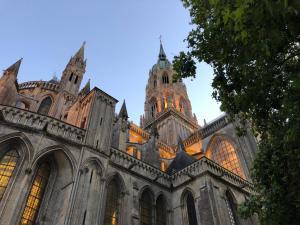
(184, 62)
(254, 49)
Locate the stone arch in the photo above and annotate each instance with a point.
(232, 206)
(18, 144)
(189, 215)
(21, 140)
(93, 161)
(153, 106)
(54, 202)
(52, 149)
(46, 104)
(154, 81)
(165, 78)
(115, 190)
(161, 209)
(223, 150)
(146, 205)
(116, 175)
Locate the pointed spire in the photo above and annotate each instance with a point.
(86, 89)
(80, 53)
(123, 111)
(162, 54)
(14, 68)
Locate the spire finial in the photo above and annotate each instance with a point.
(80, 53)
(162, 54)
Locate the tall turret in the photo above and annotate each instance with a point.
(70, 83)
(167, 103)
(73, 73)
(8, 82)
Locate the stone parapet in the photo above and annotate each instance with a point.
(205, 165)
(41, 84)
(140, 168)
(35, 121)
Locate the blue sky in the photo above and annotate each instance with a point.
(122, 45)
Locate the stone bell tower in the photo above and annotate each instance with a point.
(167, 103)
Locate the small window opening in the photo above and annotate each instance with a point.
(71, 77)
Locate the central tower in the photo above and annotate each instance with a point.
(167, 105)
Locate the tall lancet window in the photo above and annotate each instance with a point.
(153, 105)
(36, 195)
(190, 207)
(45, 106)
(146, 208)
(112, 208)
(7, 166)
(232, 209)
(165, 79)
(161, 211)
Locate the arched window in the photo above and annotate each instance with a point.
(153, 106)
(224, 154)
(36, 195)
(76, 79)
(161, 211)
(154, 83)
(146, 208)
(45, 106)
(71, 76)
(7, 166)
(190, 208)
(112, 208)
(165, 79)
(232, 208)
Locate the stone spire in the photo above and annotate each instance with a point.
(123, 111)
(86, 89)
(73, 73)
(8, 84)
(14, 68)
(162, 55)
(80, 53)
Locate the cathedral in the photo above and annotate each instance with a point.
(67, 158)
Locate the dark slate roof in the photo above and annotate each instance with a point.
(181, 160)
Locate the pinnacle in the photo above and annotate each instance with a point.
(123, 111)
(80, 52)
(86, 89)
(162, 54)
(14, 68)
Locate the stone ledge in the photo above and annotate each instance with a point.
(35, 121)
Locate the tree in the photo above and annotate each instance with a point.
(254, 49)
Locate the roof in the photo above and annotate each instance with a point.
(181, 160)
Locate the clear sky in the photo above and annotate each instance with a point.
(122, 45)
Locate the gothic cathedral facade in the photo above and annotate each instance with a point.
(66, 157)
